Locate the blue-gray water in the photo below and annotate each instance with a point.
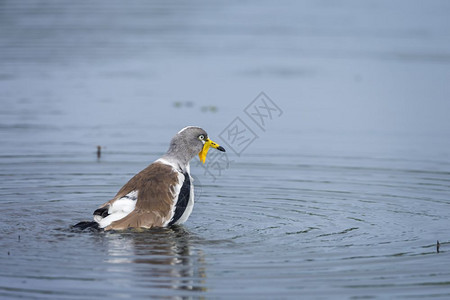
(343, 194)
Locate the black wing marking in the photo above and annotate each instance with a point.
(86, 225)
(183, 199)
(102, 212)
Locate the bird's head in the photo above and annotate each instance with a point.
(193, 140)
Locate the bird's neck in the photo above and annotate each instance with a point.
(177, 160)
(175, 163)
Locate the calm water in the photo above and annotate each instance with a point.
(343, 193)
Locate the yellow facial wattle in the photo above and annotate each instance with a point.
(208, 143)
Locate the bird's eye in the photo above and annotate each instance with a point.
(201, 137)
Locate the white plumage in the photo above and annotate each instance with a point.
(118, 210)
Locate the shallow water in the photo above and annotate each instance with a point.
(342, 193)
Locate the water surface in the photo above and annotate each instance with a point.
(342, 195)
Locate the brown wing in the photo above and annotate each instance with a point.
(130, 186)
(155, 185)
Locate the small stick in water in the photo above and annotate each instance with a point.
(99, 151)
(437, 246)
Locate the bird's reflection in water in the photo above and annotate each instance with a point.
(163, 258)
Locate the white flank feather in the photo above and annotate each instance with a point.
(177, 189)
(190, 205)
(119, 209)
(176, 192)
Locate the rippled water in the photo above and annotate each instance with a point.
(342, 195)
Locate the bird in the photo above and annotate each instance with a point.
(162, 194)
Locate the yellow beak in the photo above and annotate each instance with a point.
(206, 146)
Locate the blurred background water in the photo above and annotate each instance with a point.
(343, 192)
